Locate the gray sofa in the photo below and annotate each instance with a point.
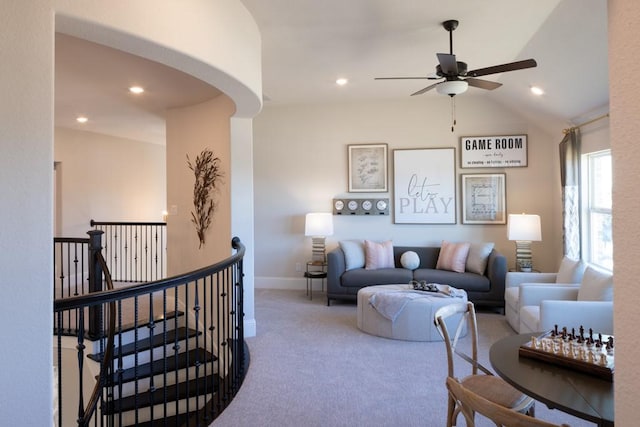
(483, 290)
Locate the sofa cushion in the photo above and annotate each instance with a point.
(453, 256)
(467, 281)
(353, 253)
(596, 286)
(478, 257)
(570, 271)
(410, 260)
(360, 277)
(378, 255)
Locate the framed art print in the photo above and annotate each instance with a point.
(424, 186)
(367, 168)
(484, 198)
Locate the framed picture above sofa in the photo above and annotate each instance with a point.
(367, 168)
(424, 186)
(484, 198)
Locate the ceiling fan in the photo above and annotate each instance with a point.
(456, 77)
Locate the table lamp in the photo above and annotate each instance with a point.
(318, 226)
(524, 229)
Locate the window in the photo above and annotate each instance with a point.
(597, 240)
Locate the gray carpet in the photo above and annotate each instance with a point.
(311, 366)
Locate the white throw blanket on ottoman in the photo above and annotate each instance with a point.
(400, 312)
(390, 303)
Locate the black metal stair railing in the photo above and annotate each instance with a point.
(134, 251)
(178, 355)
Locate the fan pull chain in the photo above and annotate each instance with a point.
(453, 112)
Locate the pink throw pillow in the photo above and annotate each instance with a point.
(378, 255)
(453, 256)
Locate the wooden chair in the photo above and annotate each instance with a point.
(471, 403)
(484, 384)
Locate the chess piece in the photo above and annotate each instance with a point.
(603, 359)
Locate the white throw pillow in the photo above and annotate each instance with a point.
(353, 253)
(570, 271)
(378, 255)
(596, 286)
(478, 257)
(410, 260)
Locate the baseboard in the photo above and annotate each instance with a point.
(289, 283)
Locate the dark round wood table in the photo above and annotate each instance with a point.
(579, 394)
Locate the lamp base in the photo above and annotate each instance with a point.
(318, 249)
(523, 255)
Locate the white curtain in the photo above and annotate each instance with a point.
(570, 180)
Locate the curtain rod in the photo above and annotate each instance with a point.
(566, 131)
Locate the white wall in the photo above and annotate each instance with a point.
(26, 219)
(242, 212)
(624, 66)
(301, 165)
(189, 131)
(108, 178)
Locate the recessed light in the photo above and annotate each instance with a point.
(136, 89)
(82, 119)
(342, 81)
(537, 91)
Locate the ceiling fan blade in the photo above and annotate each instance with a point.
(482, 84)
(401, 78)
(512, 66)
(448, 64)
(428, 88)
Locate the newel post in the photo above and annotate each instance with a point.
(95, 282)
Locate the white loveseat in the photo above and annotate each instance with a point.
(588, 303)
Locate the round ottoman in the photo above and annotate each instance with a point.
(414, 322)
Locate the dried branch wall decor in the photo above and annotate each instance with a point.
(208, 178)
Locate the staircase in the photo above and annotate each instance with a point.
(160, 377)
(180, 364)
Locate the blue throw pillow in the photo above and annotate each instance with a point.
(353, 253)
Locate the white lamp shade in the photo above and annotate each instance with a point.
(452, 87)
(524, 227)
(318, 224)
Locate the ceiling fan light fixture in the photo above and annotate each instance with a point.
(452, 87)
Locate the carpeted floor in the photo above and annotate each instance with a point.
(311, 366)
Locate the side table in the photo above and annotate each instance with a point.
(315, 270)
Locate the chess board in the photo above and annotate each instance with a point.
(594, 356)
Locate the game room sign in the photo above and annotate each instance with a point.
(507, 151)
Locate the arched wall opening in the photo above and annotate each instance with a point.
(218, 43)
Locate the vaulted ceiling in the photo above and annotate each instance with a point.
(308, 44)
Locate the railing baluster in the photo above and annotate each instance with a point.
(80, 347)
